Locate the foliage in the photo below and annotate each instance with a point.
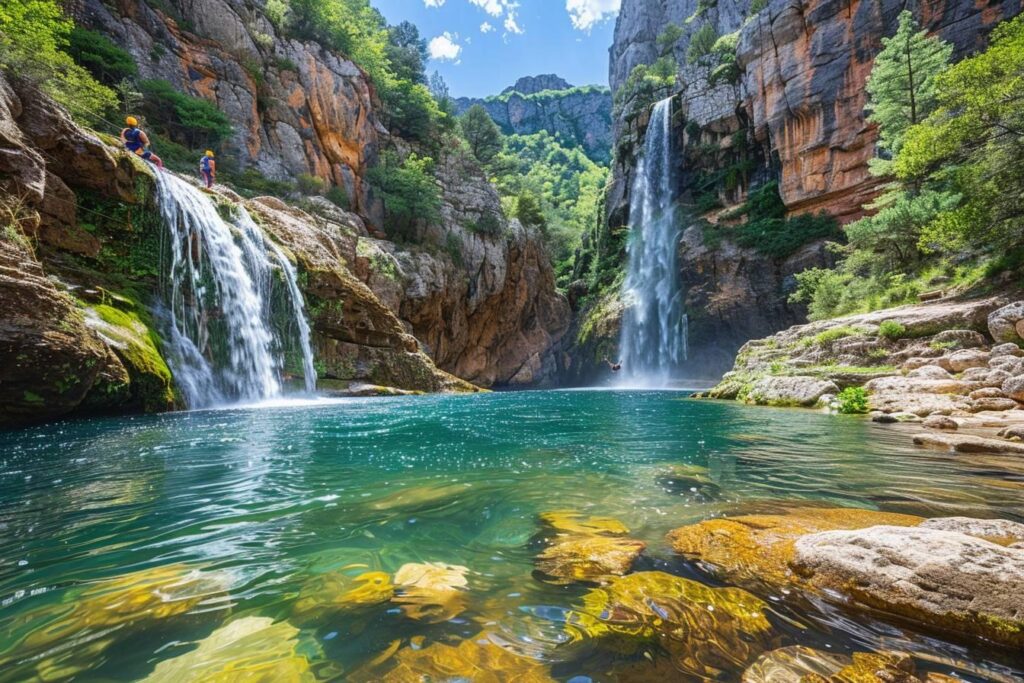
(646, 84)
(529, 213)
(481, 134)
(338, 197)
(489, 224)
(668, 38)
(409, 191)
(853, 401)
(902, 85)
(189, 120)
(727, 69)
(108, 63)
(702, 43)
(310, 184)
(33, 37)
(892, 330)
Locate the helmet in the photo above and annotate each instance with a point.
(210, 153)
(132, 121)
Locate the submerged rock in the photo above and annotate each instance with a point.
(431, 592)
(943, 579)
(577, 524)
(968, 443)
(759, 548)
(590, 559)
(339, 592)
(940, 422)
(479, 659)
(793, 664)
(251, 649)
(704, 630)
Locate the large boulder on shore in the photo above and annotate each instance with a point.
(1006, 324)
(944, 579)
(791, 391)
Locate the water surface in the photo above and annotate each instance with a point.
(268, 499)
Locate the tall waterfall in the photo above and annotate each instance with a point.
(654, 326)
(220, 340)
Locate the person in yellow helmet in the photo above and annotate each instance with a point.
(136, 141)
(208, 168)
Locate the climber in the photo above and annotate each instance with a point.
(614, 367)
(208, 168)
(137, 142)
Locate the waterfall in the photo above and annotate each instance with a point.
(654, 326)
(220, 343)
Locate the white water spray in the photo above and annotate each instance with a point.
(220, 343)
(654, 326)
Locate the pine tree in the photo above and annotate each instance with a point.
(901, 88)
(481, 133)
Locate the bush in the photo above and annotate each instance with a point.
(310, 184)
(702, 43)
(853, 401)
(891, 330)
(646, 84)
(767, 230)
(488, 224)
(192, 121)
(338, 197)
(408, 190)
(97, 53)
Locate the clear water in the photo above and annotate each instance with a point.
(220, 341)
(271, 497)
(654, 326)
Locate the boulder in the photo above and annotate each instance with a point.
(588, 559)
(940, 422)
(1003, 323)
(1007, 350)
(431, 592)
(992, 404)
(1014, 388)
(799, 664)
(791, 391)
(986, 377)
(1014, 433)
(944, 580)
(962, 360)
(1000, 531)
(968, 443)
(986, 392)
(963, 339)
(757, 549)
(914, 385)
(1009, 364)
(915, 362)
(930, 372)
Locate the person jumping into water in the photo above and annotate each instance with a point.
(614, 367)
(136, 141)
(208, 169)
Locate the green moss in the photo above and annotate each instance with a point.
(890, 329)
(137, 346)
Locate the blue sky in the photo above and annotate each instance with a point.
(483, 46)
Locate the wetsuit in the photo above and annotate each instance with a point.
(206, 169)
(133, 141)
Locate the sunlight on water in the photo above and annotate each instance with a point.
(314, 539)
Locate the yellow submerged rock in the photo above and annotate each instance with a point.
(431, 592)
(478, 659)
(251, 649)
(793, 664)
(759, 548)
(340, 592)
(569, 523)
(705, 630)
(805, 665)
(591, 559)
(74, 633)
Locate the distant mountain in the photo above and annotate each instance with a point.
(576, 116)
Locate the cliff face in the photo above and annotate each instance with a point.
(576, 116)
(794, 112)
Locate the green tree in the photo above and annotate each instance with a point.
(192, 121)
(529, 213)
(407, 52)
(104, 60)
(901, 87)
(702, 43)
(481, 133)
(408, 190)
(33, 37)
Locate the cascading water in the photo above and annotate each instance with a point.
(220, 343)
(654, 326)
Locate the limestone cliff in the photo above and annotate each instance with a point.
(576, 116)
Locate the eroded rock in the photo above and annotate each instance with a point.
(968, 443)
(1003, 323)
(791, 391)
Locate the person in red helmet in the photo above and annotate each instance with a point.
(136, 141)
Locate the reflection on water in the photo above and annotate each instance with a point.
(380, 539)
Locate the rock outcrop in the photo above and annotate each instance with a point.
(576, 116)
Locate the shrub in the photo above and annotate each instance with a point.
(97, 53)
(702, 43)
(481, 134)
(408, 190)
(646, 84)
(338, 197)
(489, 224)
(892, 330)
(192, 121)
(310, 184)
(770, 232)
(853, 401)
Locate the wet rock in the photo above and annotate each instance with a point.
(1004, 324)
(431, 592)
(1000, 531)
(480, 659)
(758, 548)
(791, 664)
(340, 592)
(945, 580)
(930, 372)
(1007, 350)
(968, 443)
(588, 559)
(940, 422)
(884, 418)
(704, 630)
(963, 339)
(253, 648)
(569, 523)
(962, 360)
(791, 391)
(686, 481)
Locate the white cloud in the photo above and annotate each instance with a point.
(511, 25)
(486, 27)
(505, 10)
(444, 47)
(584, 14)
(433, 3)
(493, 7)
